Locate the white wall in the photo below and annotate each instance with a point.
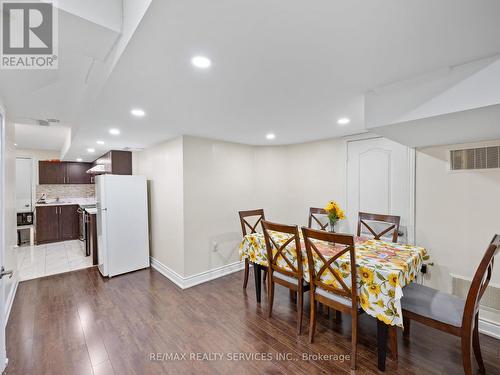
(456, 213)
(456, 217)
(218, 182)
(162, 166)
(218, 179)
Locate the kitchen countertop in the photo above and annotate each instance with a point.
(67, 202)
(91, 211)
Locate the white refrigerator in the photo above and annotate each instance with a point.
(122, 224)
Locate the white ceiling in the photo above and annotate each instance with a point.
(36, 137)
(289, 67)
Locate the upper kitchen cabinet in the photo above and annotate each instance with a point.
(114, 162)
(54, 172)
(50, 172)
(76, 173)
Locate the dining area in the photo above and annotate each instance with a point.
(370, 273)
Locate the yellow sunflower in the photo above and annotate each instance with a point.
(374, 289)
(394, 279)
(363, 302)
(346, 267)
(366, 275)
(384, 318)
(391, 293)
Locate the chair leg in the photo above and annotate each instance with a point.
(354, 341)
(406, 324)
(270, 295)
(466, 353)
(245, 278)
(477, 347)
(300, 308)
(312, 317)
(265, 276)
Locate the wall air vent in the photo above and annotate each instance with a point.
(475, 158)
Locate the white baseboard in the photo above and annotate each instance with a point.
(167, 272)
(10, 299)
(190, 281)
(489, 328)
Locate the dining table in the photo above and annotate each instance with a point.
(384, 268)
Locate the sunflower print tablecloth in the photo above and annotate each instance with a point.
(384, 269)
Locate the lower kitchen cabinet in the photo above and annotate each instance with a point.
(56, 223)
(68, 222)
(47, 224)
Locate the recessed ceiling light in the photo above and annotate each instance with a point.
(90, 150)
(15, 144)
(201, 62)
(79, 159)
(270, 136)
(100, 142)
(114, 131)
(137, 112)
(343, 121)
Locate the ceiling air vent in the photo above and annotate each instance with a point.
(475, 158)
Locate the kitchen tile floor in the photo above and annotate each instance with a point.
(50, 259)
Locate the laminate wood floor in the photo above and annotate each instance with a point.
(81, 323)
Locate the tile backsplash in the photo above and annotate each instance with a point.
(65, 191)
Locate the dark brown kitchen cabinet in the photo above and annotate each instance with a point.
(76, 173)
(50, 172)
(68, 222)
(116, 162)
(60, 172)
(47, 224)
(56, 223)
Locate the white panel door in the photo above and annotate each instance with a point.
(380, 179)
(24, 171)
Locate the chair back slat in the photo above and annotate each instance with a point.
(277, 250)
(393, 220)
(244, 223)
(480, 283)
(314, 213)
(327, 265)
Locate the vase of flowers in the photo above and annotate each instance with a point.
(335, 213)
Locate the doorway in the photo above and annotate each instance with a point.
(381, 179)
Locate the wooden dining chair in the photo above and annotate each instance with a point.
(391, 220)
(314, 214)
(247, 228)
(451, 314)
(285, 264)
(340, 296)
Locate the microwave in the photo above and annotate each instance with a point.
(24, 218)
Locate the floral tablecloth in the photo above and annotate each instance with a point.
(384, 269)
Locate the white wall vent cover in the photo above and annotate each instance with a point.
(475, 158)
(491, 297)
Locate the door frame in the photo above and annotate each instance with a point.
(411, 230)
(3, 318)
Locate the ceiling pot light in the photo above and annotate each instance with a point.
(90, 150)
(100, 142)
(114, 131)
(15, 144)
(343, 121)
(137, 112)
(270, 136)
(201, 62)
(79, 159)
